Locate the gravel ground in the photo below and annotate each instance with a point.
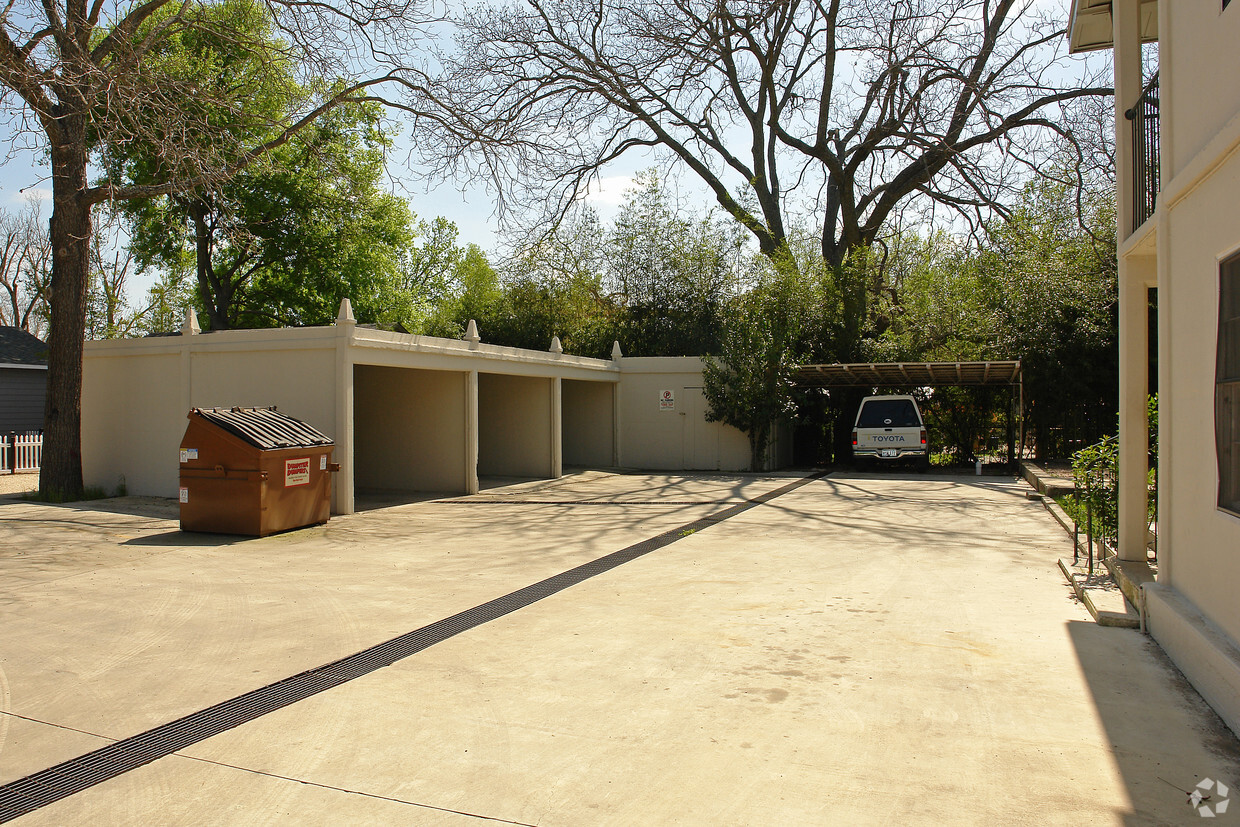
(18, 483)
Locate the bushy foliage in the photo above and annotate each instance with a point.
(1095, 471)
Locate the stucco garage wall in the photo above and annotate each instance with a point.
(515, 426)
(136, 395)
(589, 411)
(409, 429)
(300, 383)
(133, 418)
(679, 438)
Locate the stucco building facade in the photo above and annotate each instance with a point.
(1178, 171)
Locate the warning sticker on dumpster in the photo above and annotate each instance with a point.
(297, 472)
(323, 462)
(188, 453)
(184, 495)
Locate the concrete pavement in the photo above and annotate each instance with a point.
(863, 649)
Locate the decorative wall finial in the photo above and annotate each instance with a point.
(190, 326)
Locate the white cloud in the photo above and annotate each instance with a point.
(609, 190)
(41, 194)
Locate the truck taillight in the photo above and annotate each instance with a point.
(923, 436)
(854, 439)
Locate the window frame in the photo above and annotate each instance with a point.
(1227, 387)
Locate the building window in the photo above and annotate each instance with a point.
(1227, 387)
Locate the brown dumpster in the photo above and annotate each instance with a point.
(253, 471)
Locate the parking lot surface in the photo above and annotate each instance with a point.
(600, 649)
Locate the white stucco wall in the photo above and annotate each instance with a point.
(407, 412)
(133, 418)
(1199, 67)
(1203, 543)
(676, 438)
(137, 393)
(1193, 610)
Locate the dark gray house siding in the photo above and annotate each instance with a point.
(21, 399)
(23, 380)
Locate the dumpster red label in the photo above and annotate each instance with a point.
(297, 472)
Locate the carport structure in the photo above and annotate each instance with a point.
(911, 375)
(408, 414)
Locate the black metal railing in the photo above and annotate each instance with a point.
(1144, 117)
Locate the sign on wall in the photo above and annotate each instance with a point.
(667, 400)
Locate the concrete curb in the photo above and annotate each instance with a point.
(1127, 619)
(1078, 577)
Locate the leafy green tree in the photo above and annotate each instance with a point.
(1048, 294)
(83, 76)
(478, 295)
(282, 242)
(427, 280)
(748, 383)
(167, 300)
(554, 286)
(672, 271)
(1039, 287)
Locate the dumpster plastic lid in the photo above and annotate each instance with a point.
(264, 428)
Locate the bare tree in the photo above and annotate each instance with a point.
(80, 75)
(848, 111)
(108, 312)
(25, 269)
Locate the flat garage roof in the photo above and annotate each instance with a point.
(913, 374)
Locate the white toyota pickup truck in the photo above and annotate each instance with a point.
(890, 429)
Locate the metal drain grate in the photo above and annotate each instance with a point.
(17, 798)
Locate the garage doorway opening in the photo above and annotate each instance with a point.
(409, 433)
(516, 427)
(588, 423)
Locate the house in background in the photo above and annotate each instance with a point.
(1177, 152)
(23, 380)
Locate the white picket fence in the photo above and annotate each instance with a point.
(20, 452)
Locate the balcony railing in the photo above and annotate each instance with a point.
(1144, 117)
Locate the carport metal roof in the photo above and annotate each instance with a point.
(911, 374)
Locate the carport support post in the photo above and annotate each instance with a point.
(471, 432)
(1134, 428)
(346, 324)
(1011, 427)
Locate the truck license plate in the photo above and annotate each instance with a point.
(889, 452)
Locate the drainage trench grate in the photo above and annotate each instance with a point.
(25, 795)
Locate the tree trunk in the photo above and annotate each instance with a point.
(60, 475)
(758, 437)
(216, 295)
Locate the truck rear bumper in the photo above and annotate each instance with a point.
(893, 453)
